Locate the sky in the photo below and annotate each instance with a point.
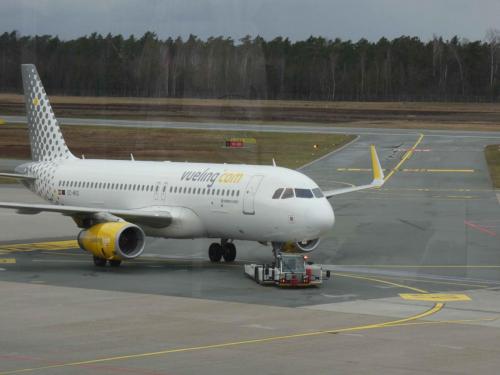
(295, 19)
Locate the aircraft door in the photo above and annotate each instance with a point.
(157, 191)
(249, 195)
(164, 191)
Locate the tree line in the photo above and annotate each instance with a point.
(405, 68)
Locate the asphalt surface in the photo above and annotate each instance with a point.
(432, 228)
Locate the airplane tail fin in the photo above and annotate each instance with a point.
(46, 139)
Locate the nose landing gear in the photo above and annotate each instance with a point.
(225, 250)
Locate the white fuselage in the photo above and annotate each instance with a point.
(206, 200)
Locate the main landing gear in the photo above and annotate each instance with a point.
(225, 250)
(101, 262)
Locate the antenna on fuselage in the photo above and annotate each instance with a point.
(83, 156)
(274, 163)
(132, 157)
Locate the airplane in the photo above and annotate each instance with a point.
(117, 203)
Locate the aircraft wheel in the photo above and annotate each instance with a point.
(115, 262)
(215, 252)
(229, 253)
(99, 262)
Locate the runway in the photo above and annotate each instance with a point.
(432, 228)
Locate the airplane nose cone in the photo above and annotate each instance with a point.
(320, 218)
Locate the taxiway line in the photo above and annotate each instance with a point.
(420, 266)
(411, 170)
(51, 245)
(406, 156)
(436, 308)
(393, 323)
(480, 228)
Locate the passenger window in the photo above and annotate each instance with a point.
(277, 193)
(288, 193)
(318, 193)
(303, 193)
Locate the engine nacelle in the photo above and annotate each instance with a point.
(113, 240)
(301, 246)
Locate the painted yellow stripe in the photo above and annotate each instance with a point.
(435, 297)
(412, 170)
(53, 245)
(421, 266)
(381, 281)
(394, 323)
(354, 169)
(436, 308)
(405, 157)
(7, 261)
(451, 170)
(2, 121)
(434, 170)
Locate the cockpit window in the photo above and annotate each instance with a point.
(277, 193)
(303, 193)
(288, 193)
(318, 193)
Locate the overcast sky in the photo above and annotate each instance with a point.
(296, 19)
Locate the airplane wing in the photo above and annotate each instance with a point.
(18, 176)
(154, 218)
(378, 178)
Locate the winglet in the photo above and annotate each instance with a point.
(378, 178)
(378, 173)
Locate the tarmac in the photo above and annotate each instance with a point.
(414, 289)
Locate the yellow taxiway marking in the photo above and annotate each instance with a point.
(381, 281)
(393, 323)
(406, 156)
(435, 297)
(411, 170)
(356, 170)
(7, 261)
(422, 266)
(434, 170)
(437, 307)
(25, 247)
(2, 121)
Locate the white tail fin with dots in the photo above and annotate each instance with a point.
(47, 142)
